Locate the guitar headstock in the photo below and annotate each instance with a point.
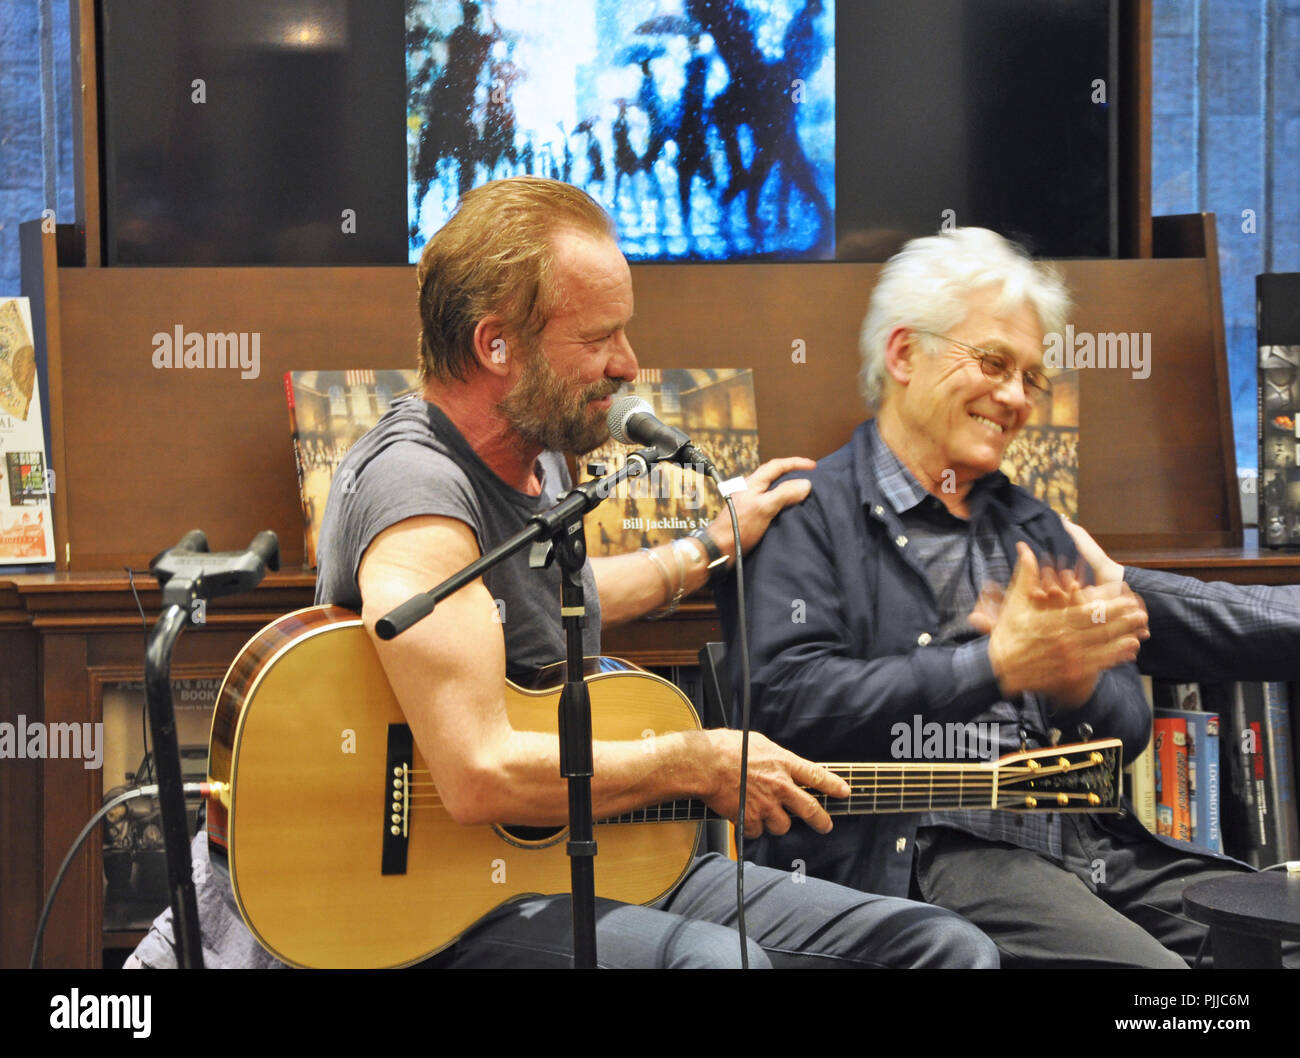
(1083, 777)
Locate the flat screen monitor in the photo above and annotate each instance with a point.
(344, 131)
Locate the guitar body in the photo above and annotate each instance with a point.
(302, 737)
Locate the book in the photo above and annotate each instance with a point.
(26, 495)
(1284, 827)
(328, 412)
(1277, 322)
(1043, 458)
(715, 407)
(1141, 773)
(1245, 809)
(1171, 695)
(1202, 775)
(1238, 816)
(1173, 807)
(1173, 810)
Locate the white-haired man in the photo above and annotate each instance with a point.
(860, 602)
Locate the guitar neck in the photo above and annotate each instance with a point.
(874, 789)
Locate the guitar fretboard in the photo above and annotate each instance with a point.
(873, 789)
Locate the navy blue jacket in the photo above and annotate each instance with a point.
(840, 629)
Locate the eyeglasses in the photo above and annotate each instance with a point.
(1001, 368)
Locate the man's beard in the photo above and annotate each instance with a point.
(544, 411)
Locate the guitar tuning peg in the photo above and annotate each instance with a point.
(1054, 736)
(1085, 732)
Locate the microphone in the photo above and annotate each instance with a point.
(632, 421)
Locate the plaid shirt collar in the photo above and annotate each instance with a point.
(899, 486)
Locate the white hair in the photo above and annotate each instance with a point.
(927, 286)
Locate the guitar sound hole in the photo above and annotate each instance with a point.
(531, 837)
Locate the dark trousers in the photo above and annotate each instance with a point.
(1112, 903)
(791, 920)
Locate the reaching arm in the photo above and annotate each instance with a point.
(448, 673)
(1208, 631)
(634, 584)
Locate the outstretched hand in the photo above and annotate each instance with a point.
(758, 503)
(1104, 569)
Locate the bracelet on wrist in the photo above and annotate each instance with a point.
(715, 560)
(672, 596)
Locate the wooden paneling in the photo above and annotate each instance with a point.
(1135, 128)
(85, 128)
(151, 453)
(20, 793)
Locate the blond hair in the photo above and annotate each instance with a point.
(496, 256)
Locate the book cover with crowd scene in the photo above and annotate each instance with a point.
(715, 408)
(1043, 459)
(328, 413)
(705, 127)
(26, 517)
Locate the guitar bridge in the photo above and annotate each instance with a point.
(397, 799)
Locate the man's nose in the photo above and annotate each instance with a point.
(623, 364)
(1013, 392)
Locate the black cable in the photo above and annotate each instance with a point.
(1200, 952)
(743, 635)
(139, 791)
(144, 702)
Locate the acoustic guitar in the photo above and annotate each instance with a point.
(341, 854)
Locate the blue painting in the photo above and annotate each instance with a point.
(705, 127)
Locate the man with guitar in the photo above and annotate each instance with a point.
(903, 528)
(524, 302)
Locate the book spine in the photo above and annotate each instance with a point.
(1167, 777)
(1236, 801)
(1255, 757)
(1281, 772)
(1261, 455)
(1182, 802)
(1203, 775)
(309, 557)
(1142, 774)
(1213, 785)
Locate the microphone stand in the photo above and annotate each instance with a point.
(187, 574)
(556, 533)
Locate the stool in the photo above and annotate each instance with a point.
(1249, 916)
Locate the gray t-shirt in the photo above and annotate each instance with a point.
(415, 462)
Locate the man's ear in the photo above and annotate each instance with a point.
(900, 349)
(492, 348)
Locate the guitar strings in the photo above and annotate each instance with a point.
(900, 789)
(882, 799)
